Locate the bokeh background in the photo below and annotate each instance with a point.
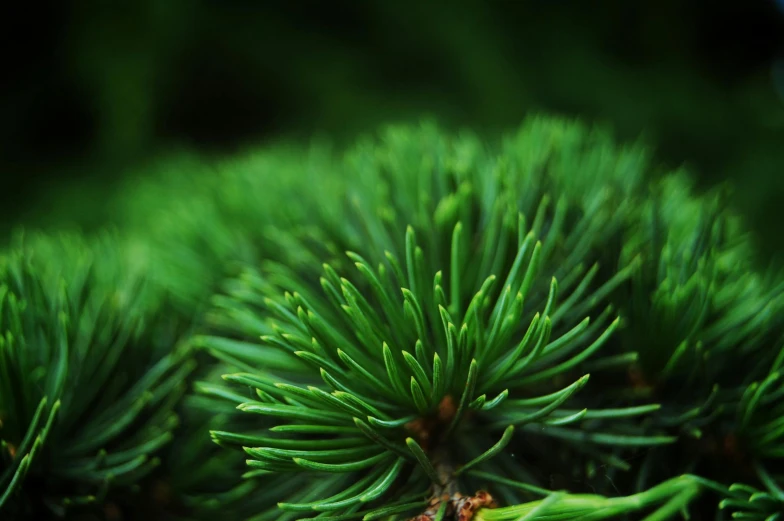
(95, 90)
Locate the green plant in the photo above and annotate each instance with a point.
(200, 216)
(461, 348)
(430, 326)
(88, 376)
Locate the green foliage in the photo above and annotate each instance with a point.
(758, 421)
(89, 382)
(749, 503)
(670, 497)
(703, 322)
(698, 287)
(402, 379)
(204, 480)
(397, 331)
(200, 216)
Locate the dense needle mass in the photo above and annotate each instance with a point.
(86, 394)
(429, 327)
(411, 373)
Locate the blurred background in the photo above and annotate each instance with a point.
(95, 90)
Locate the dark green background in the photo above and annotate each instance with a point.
(94, 89)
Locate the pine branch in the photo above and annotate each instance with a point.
(87, 397)
(412, 369)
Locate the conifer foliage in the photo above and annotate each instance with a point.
(428, 327)
(88, 382)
